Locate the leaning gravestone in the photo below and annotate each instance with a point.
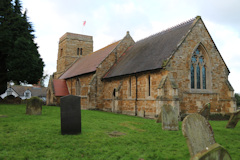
(34, 106)
(235, 117)
(169, 116)
(159, 118)
(70, 114)
(200, 139)
(205, 111)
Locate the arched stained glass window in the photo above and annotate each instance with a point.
(192, 76)
(204, 77)
(198, 70)
(198, 77)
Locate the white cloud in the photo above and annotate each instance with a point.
(227, 42)
(108, 21)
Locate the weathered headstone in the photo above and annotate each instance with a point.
(70, 115)
(169, 116)
(205, 111)
(141, 113)
(213, 152)
(34, 106)
(235, 117)
(200, 139)
(159, 118)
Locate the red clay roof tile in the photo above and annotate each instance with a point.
(89, 63)
(60, 87)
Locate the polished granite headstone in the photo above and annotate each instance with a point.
(70, 114)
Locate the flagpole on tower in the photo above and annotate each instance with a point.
(84, 23)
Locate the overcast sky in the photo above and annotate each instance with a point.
(109, 20)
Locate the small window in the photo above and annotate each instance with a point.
(27, 94)
(114, 92)
(130, 87)
(81, 50)
(78, 87)
(9, 92)
(61, 52)
(149, 85)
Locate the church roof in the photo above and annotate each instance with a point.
(60, 87)
(89, 63)
(151, 52)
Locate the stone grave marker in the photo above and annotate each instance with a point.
(235, 117)
(200, 139)
(70, 114)
(141, 113)
(169, 116)
(159, 118)
(34, 106)
(205, 111)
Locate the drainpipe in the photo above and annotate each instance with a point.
(136, 108)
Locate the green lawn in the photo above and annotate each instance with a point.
(39, 137)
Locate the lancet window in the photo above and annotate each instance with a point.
(198, 70)
(78, 87)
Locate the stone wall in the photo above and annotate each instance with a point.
(126, 101)
(51, 98)
(85, 87)
(107, 63)
(217, 91)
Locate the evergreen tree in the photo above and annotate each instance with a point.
(6, 14)
(19, 52)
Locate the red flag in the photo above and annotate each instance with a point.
(84, 23)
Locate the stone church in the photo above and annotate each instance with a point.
(180, 66)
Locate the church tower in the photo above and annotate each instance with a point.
(71, 47)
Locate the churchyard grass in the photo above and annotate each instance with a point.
(104, 136)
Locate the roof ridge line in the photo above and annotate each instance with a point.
(168, 29)
(104, 47)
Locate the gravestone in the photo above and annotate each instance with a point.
(141, 113)
(159, 118)
(70, 114)
(34, 106)
(235, 117)
(200, 139)
(169, 116)
(205, 111)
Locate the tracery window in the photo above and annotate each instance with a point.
(198, 70)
